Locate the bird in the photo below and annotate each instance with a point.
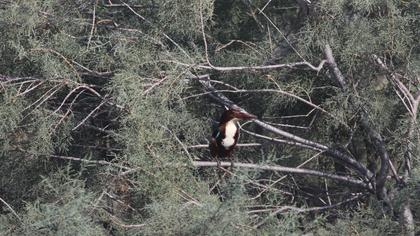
(226, 134)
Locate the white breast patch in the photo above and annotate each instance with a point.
(230, 132)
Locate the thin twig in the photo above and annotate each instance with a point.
(27, 90)
(284, 176)
(301, 210)
(263, 91)
(163, 33)
(65, 99)
(281, 33)
(119, 222)
(100, 162)
(283, 141)
(45, 96)
(11, 209)
(69, 108)
(184, 147)
(89, 115)
(93, 23)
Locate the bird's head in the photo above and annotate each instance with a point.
(235, 113)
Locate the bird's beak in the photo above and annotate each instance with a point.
(244, 115)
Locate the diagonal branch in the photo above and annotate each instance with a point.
(373, 134)
(89, 115)
(333, 65)
(332, 152)
(412, 108)
(11, 209)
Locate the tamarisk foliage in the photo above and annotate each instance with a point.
(106, 107)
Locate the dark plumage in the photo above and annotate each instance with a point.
(226, 134)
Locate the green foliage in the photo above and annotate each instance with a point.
(102, 98)
(62, 208)
(202, 215)
(360, 222)
(10, 116)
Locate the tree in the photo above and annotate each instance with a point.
(107, 106)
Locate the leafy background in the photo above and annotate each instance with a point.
(100, 110)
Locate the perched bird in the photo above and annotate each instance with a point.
(226, 135)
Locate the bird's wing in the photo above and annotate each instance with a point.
(236, 137)
(218, 133)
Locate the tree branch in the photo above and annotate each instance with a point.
(333, 65)
(101, 162)
(292, 65)
(291, 170)
(412, 108)
(373, 134)
(300, 210)
(342, 157)
(11, 209)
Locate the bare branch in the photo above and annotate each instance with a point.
(184, 147)
(89, 115)
(30, 88)
(163, 33)
(100, 162)
(283, 35)
(65, 99)
(69, 108)
(47, 95)
(411, 102)
(292, 65)
(398, 84)
(263, 91)
(374, 135)
(11, 209)
(284, 176)
(291, 170)
(93, 23)
(383, 154)
(277, 140)
(333, 65)
(301, 210)
(5, 78)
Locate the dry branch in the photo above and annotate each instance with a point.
(375, 136)
(89, 115)
(100, 162)
(292, 65)
(284, 169)
(11, 209)
(277, 140)
(411, 102)
(333, 65)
